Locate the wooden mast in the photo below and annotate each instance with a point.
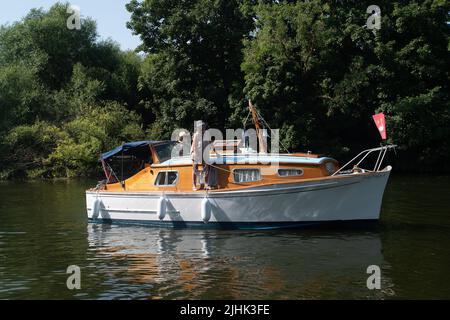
(258, 127)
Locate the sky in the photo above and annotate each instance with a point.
(111, 16)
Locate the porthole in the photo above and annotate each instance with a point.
(246, 175)
(331, 167)
(290, 172)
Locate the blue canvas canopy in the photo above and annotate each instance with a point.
(126, 147)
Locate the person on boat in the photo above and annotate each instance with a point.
(181, 142)
(197, 150)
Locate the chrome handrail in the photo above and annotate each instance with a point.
(382, 152)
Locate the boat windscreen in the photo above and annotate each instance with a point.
(165, 150)
(128, 162)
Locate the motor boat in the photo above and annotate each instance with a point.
(251, 189)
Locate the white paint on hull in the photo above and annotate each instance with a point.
(355, 197)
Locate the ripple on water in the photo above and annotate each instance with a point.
(45, 233)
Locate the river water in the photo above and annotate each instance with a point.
(43, 230)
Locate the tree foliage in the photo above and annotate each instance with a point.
(64, 96)
(313, 68)
(194, 51)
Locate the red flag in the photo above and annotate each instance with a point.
(380, 122)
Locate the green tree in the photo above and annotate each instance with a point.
(319, 73)
(25, 150)
(192, 70)
(43, 39)
(96, 129)
(64, 96)
(284, 65)
(21, 96)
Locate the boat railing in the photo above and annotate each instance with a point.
(363, 155)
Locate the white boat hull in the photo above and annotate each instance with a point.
(343, 198)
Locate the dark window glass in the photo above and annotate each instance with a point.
(290, 172)
(164, 151)
(246, 175)
(166, 178)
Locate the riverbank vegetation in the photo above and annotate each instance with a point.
(312, 67)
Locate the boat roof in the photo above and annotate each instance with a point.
(249, 159)
(244, 158)
(127, 147)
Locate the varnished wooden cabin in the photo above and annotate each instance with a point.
(149, 166)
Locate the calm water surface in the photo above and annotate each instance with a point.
(43, 230)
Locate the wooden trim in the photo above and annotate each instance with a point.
(145, 179)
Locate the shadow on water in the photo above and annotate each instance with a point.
(43, 230)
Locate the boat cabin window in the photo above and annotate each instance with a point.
(331, 168)
(166, 178)
(246, 175)
(290, 172)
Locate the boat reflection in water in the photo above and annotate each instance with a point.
(151, 263)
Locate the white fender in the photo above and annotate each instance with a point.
(206, 210)
(161, 209)
(96, 208)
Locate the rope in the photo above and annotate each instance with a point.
(264, 121)
(246, 119)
